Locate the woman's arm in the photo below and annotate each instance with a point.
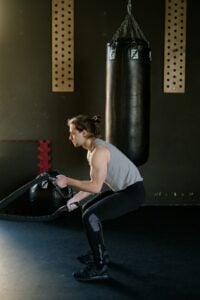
(98, 173)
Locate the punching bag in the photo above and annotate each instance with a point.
(128, 92)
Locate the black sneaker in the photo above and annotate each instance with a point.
(92, 273)
(89, 259)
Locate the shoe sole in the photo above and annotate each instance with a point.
(96, 278)
(84, 262)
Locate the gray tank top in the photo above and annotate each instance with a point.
(121, 170)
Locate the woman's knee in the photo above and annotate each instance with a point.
(85, 217)
(91, 219)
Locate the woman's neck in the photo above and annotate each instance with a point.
(89, 144)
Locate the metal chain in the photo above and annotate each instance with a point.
(129, 6)
(129, 27)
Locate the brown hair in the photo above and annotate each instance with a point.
(90, 124)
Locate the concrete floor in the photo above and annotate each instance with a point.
(155, 255)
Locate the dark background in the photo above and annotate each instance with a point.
(29, 110)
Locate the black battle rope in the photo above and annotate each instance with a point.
(129, 28)
(20, 191)
(46, 218)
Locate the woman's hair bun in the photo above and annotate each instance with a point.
(97, 118)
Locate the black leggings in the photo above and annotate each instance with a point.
(106, 206)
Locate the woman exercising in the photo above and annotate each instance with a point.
(108, 165)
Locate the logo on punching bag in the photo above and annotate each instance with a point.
(134, 54)
(111, 53)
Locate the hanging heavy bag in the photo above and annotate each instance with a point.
(128, 90)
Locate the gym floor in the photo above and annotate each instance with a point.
(154, 252)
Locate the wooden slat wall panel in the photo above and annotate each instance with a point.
(62, 45)
(175, 46)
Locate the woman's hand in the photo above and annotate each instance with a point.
(61, 181)
(72, 204)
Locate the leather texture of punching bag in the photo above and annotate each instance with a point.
(128, 97)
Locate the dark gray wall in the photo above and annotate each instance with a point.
(29, 110)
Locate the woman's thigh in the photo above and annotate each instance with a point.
(118, 203)
(96, 199)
